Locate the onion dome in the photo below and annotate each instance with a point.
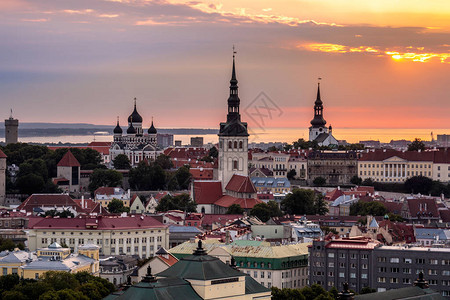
(152, 129)
(135, 116)
(131, 129)
(118, 129)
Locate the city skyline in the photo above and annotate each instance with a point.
(85, 61)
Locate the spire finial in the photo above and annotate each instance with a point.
(318, 89)
(11, 114)
(233, 75)
(117, 120)
(135, 102)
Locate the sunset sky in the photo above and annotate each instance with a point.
(383, 64)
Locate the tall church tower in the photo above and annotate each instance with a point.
(318, 123)
(233, 137)
(11, 130)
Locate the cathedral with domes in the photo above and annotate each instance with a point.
(136, 144)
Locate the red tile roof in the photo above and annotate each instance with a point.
(227, 200)
(99, 223)
(2, 155)
(68, 160)
(422, 205)
(209, 219)
(170, 260)
(437, 156)
(333, 195)
(356, 243)
(445, 215)
(369, 189)
(201, 173)
(240, 184)
(89, 206)
(207, 192)
(48, 200)
(104, 190)
(393, 207)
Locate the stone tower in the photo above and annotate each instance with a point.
(2, 177)
(233, 138)
(11, 130)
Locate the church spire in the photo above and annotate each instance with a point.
(233, 100)
(318, 120)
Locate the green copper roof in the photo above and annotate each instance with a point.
(200, 267)
(164, 289)
(412, 292)
(253, 287)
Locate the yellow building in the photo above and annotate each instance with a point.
(57, 258)
(12, 261)
(116, 235)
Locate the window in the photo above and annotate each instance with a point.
(5, 271)
(331, 255)
(364, 256)
(433, 261)
(407, 260)
(406, 271)
(395, 270)
(352, 275)
(255, 274)
(394, 260)
(269, 275)
(381, 269)
(394, 280)
(364, 276)
(420, 261)
(341, 275)
(432, 272)
(364, 266)
(342, 255)
(381, 279)
(36, 276)
(406, 281)
(331, 274)
(381, 259)
(331, 264)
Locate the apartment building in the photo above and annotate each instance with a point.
(280, 163)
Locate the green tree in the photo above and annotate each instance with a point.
(235, 209)
(373, 208)
(418, 184)
(368, 182)
(319, 181)
(13, 295)
(91, 289)
(300, 201)
(213, 152)
(416, 145)
(173, 184)
(356, 180)
(261, 211)
(30, 184)
(275, 210)
(326, 230)
(180, 202)
(291, 174)
(395, 217)
(115, 206)
(164, 162)
(302, 144)
(320, 205)
(101, 177)
(147, 176)
(60, 280)
(121, 162)
(183, 177)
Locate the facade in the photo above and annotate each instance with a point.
(52, 258)
(130, 235)
(280, 163)
(11, 130)
(318, 132)
(104, 195)
(398, 266)
(164, 140)
(282, 266)
(68, 173)
(136, 205)
(2, 177)
(397, 166)
(334, 262)
(197, 141)
(233, 138)
(337, 167)
(116, 269)
(272, 185)
(135, 144)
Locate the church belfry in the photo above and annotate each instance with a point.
(233, 137)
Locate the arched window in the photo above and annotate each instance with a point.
(235, 165)
(240, 145)
(235, 144)
(203, 210)
(230, 145)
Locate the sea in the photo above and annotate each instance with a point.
(351, 135)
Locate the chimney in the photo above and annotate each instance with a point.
(227, 237)
(82, 201)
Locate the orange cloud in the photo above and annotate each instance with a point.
(396, 55)
(35, 20)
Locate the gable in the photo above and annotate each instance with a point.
(394, 159)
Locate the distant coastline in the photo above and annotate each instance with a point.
(66, 129)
